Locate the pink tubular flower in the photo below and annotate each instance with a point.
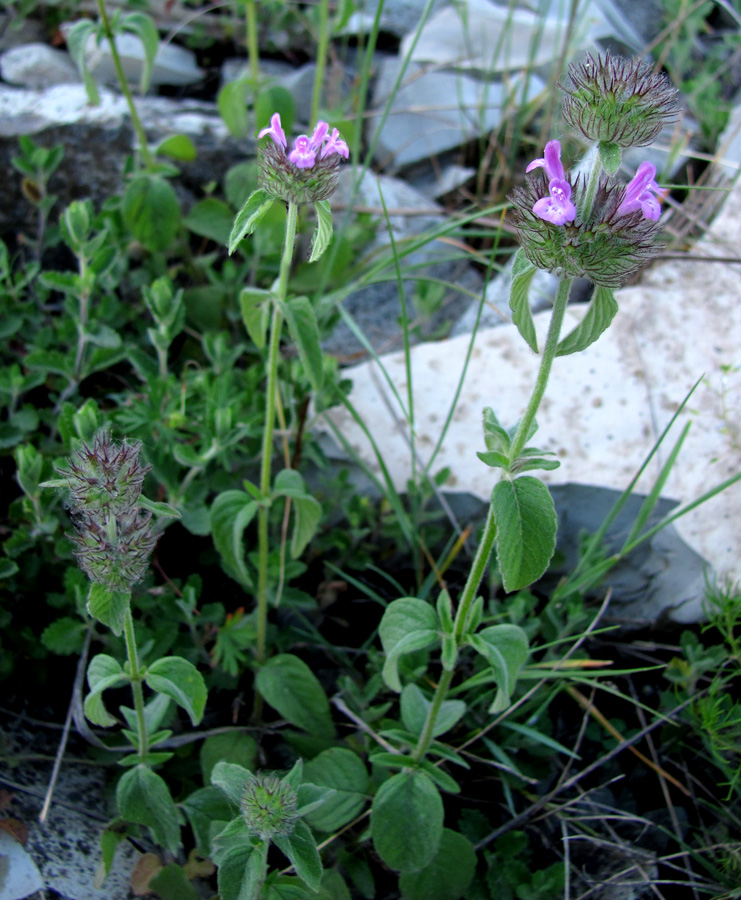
(639, 194)
(305, 148)
(556, 208)
(275, 131)
(551, 163)
(335, 145)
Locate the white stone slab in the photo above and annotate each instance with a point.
(19, 877)
(37, 66)
(604, 408)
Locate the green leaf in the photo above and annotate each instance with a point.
(414, 708)
(158, 508)
(102, 673)
(447, 876)
(505, 648)
(179, 679)
(602, 310)
(249, 216)
(493, 459)
(343, 771)
(496, 437)
(231, 513)
(526, 525)
(212, 219)
(407, 821)
(171, 883)
(144, 798)
(232, 779)
(610, 156)
(204, 807)
(308, 510)
(300, 847)
(323, 233)
(145, 29)
(407, 624)
(271, 99)
(291, 688)
(231, 102)
(255, 306)
(233, 747)
(522, 275)
(77, 38)
(64, 636)
(177, 146)
(151, 211)
(304, 330)
(108, 607)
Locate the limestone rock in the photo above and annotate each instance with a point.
(37, 66)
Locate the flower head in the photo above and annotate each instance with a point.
(639, 193)
(269, 806)
(557, 207)
(608, 248)
(618, 100)
(306, 173)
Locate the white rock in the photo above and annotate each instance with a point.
(19, 877)
(37, 66)
(481, 35)
(173, 65)
(436, 111)
(605, 408)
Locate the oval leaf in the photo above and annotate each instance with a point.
(231, 513)
(523, 272)
(300, 847)
(407, 821)
(526, 530)
(447, 876)
(108, 607)
(291, 688)
(408, 624)
(505, 647)
(144, 799)
(302, 324)
(602, 310)
(343, 771)
(151, 211)
(178, 679)
(249, 216)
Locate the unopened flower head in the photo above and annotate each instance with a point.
(618, 100)
(106, 476)
(608, 248)
(308, 171)
(269, 806)
(113, 536)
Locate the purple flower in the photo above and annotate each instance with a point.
(556, 208)
(275, 131)
(335, 145)
(552, 162)
(305, 148)
(638, 193)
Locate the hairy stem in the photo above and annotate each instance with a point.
(267, 437)
(136, 683)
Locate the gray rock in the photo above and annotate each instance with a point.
(644, 19)
(238, 67)
(173, 65)
(400, 17)
(435, 183)
(15, 30)
(376, 308)
(435, 111)
(37, 66)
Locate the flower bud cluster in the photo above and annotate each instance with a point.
(113, 536)
(306, 173)
(269, 806)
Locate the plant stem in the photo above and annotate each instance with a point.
(252, 49)
(321, 59)
(549, 354)
(267, 437)
(123, 84)
(136, 683)
(481, 560)
(83, 297)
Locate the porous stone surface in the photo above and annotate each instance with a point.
(605, 408)
(37, 66)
